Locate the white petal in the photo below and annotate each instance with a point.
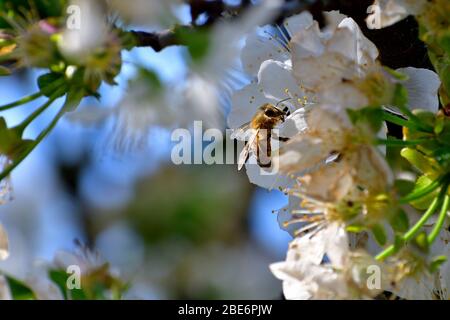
(307, 43)
(284, 215)
(384, 13)
(330, 183)
(265, 178)
(4, 245)
(244, 104)
(315, 73)
(422, 86)
(337, 247)
(293, 287)
(365, 50)
(307, 248)
(293, 124)
(278, 83)
(298, 23)
(333, 18)
(259, 48)
(345, 95)
(329, 119)
(301, 154)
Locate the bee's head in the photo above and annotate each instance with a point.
(273, 112)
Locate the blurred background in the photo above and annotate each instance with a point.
(189, 231)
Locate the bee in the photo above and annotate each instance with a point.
(266, 118)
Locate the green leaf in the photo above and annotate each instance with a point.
(379, 234)
(373, 116)
(36, 8)
(11, 143)
(46, 83)
(425, 116)
(198, 42)
(19, 290)
(444, 41)
(400, 98)
(425, 164)
(73, 99)
(60, 277)
(437, 262)
(396, 74)
(424, 202)
(399, 221)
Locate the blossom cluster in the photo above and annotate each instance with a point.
(345, 203)
(368, 208)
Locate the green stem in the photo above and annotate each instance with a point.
(22, 101)
(399, 143)
(440, 221)
(21, 127)
(38, 140)
(405, 123)
(419, 224)
(422, 192)
(412, 117)
(46, 90)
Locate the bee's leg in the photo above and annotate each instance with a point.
(287, 111)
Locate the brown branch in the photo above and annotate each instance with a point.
(214, 9)
(156, 40)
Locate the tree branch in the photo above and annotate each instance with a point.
(156, 40)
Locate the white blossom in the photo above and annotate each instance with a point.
(86, 30)
(321, 266)
(384, 13)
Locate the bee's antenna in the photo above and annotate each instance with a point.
(278, 103)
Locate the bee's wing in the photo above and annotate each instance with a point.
(247, 148)
(241, 133)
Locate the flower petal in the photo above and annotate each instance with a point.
(362, 50)
(244, 104)
(278, 83)
(384, 13)
(293, 124)
(307, 43)
(266, 178)
(298, 23)
(259, 48)
(422, 86)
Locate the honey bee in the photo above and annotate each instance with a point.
(266, 118)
